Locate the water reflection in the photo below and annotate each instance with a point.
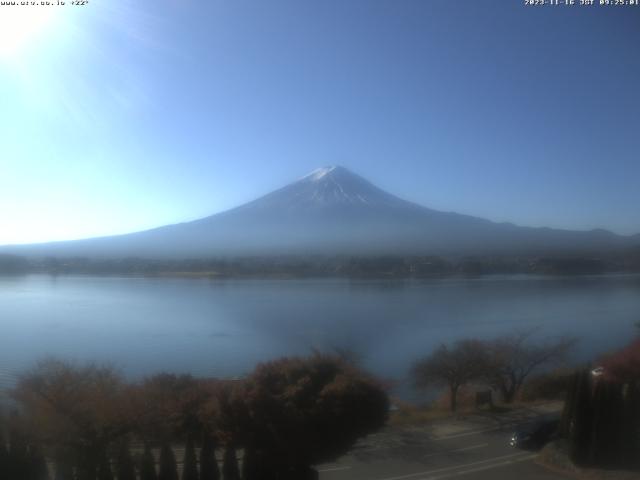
(223, 327)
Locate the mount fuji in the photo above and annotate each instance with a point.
(334, 211)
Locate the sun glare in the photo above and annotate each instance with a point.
(20, 26)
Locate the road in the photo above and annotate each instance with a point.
(474, 448)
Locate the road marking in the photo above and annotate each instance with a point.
(333, 469)
(454, 467)
(480, 469)
(473, 447)
(426, 440)
(466, 434)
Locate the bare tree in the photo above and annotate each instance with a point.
(512, 358)
(453, 366)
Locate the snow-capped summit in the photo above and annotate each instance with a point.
(318, 173)
(334, 211)
(326, 187)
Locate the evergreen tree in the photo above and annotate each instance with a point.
(87, 467)
(230, 465)
(580, 422)
(617, 421)
(63, 466)
(598, 441)
(607, 429)
(104, 468)
(257, 465)
(148, 465)
(601, 422)
(38, 469)
(189, 467)
(568, 410)
(209, 469)
(168, 468)
(124, 463)
(631, 441)
(18, 459)
(63, 471)
(4, 459)
(251, 468)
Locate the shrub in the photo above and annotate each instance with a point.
(305, 411)
(547, 386)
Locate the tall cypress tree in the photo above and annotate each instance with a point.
(209, 469)
(189, 466)
(250, 464)
(38, 469)
(63, 471)
(230, 469)
(599, 438)
(87, 467)
(608, 424)
(148, 465)
(258, 465)
(632, 425)
(168, 468)
(4, 459)
(124, 463)
(63, 466)
(568, 410)
(104, 467)
(617, 423)
(581, 421)
(18, 458)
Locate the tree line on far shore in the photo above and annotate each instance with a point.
(355, 266)
(90, 424)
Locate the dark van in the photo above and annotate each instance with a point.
(535, 434)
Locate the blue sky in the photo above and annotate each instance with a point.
(125, 115)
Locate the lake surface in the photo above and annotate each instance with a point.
(222, 328)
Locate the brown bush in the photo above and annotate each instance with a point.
(547, 386)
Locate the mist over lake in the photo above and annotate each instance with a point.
(222, 328)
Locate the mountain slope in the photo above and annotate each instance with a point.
(334, 211)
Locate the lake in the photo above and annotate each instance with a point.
(223, 327)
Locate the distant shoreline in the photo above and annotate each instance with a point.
(213, 276)
(344, 266)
